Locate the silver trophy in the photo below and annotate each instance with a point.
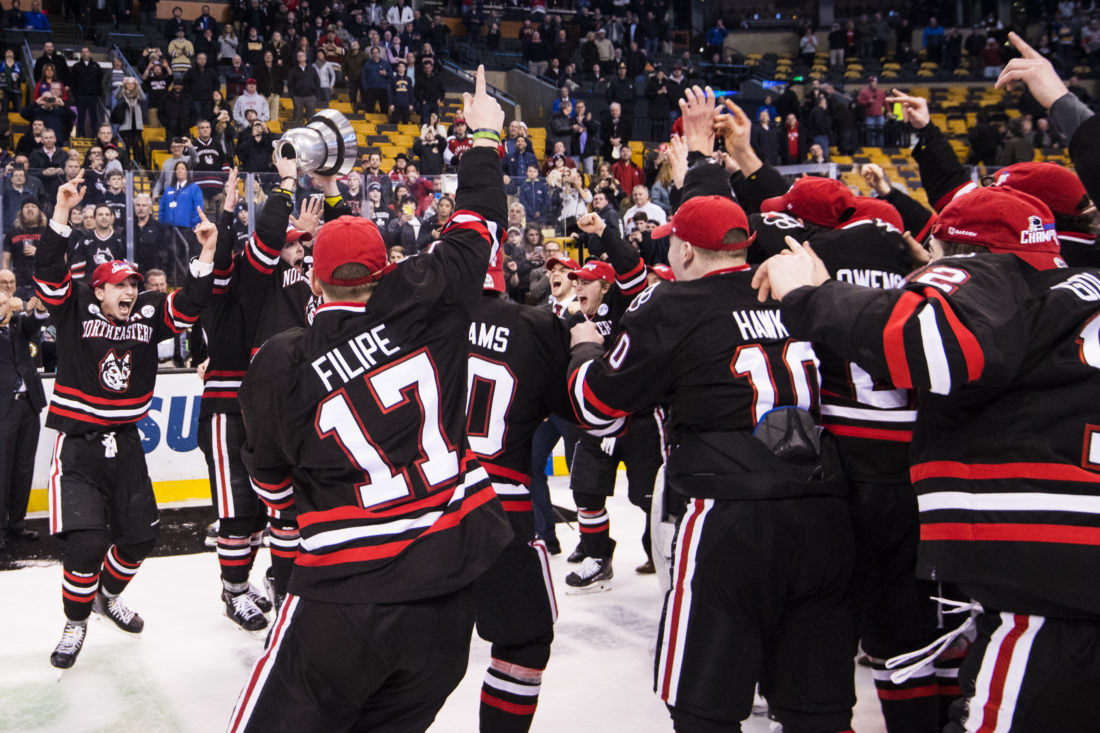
(325, 146)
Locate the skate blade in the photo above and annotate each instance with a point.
(588, 589)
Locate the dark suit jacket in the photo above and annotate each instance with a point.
(16, 361)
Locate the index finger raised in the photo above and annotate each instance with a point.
(794, 245)
(479, 83)
(1022, 46)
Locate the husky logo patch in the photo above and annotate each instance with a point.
(114, 372)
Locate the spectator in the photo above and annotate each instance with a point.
(270, 77)
(537, 54)
(86, 80)
(128, 115)
(432, 224)
(179, 149)
(400, 13)
(209, 161)
(933, 38)
(1018, 146)
(622, 91)
(952, 49)
(660, 190)
(457, 144)
(606, 211)
(177, 112)
(179, 208)
(152, 246)
(352, 65)
(1047, 138)
(376, 208)
(991, 59)
(430, 149)
(34, 19)
(625, 171)
(534, 194)
(254, 150)
(569, 198)
(326, 78)
(228, 42)
(983, 140)
(793, 146)
(254, 47)
(251, 99)
(428, 89)
(561, 128)
(1090, 43)
(114, 197)
(180, 53)
(375, 78)
(872, 101)
(236, 76)
(764, 138)
(373, 173)
(819, 125)
(516, 163)
(304, 85)
(837, 44)
(49, 158)
(642, 204)
(615, 128)
(57, 60)
(206, 43)
(22, 234)
(101, 243)
(11, 83)
(201, 81)
(716, 36)
(880, 34)
(605, 181)
(405, 228)
(157, 80)
(401, 97)
(174, 25)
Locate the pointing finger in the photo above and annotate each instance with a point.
(479, 84)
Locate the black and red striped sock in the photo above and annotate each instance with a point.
(78, 590)
(120, 569)
(509, 696)
(911, 706)
(235, 557)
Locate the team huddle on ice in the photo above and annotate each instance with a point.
(860, 404)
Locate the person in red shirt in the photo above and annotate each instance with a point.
(872, 101)
(793, 143)
(626, 173)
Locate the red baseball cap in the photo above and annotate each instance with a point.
(114, 272)
(821, 201)
(249, 80)
(703, 222)
(568, 262)
(346, 240)
(1004, 220)
(297, 235)
(871, 208)
(1056, 186)
(594, 270)
(662, 271)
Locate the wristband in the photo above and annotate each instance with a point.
(288, 178)
(487, 134)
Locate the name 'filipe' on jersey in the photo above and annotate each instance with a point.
(354, 357)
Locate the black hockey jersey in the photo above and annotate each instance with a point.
(873, 421)
(720, 361)
(1006, 450)
(517, 360)
(364, 415)
(106, 370)
(87, 251)
(630, 279)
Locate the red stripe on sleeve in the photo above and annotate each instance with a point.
(893, 339)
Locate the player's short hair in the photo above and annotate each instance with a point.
(951, 249)
(713, 256)
(349, 271)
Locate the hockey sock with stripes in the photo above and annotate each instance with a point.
(84, 550)
(255, 542)
(510, 691)
(911, 706)
(121, 564)
(947, 679)
(595, 526)
(284, 550)
(234, 557)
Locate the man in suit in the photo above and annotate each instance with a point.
(21, 399)
(615, 128)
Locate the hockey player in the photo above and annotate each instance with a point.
(228, 327)
(364, 413)
(101, 500)
(517, 360)
(995, 328)
(604, 290)
(761, 572)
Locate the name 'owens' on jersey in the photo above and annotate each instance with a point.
(872, 420)
(366, 437)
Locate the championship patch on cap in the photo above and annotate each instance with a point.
(594, 270)
(114, 272)
(704, 221)
(1005, 221)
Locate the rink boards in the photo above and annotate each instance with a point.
(169, 434)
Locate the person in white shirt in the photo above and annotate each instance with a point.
(250, 99)
(640, 194)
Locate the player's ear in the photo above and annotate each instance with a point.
(315, 284)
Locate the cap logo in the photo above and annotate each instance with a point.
(961, 232)
(1002, 178)
(1037, 232)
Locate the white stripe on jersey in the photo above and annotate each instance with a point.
(54, 292)
(510, 490)
(222, 384)
(1008, 502)
(679, 601)
(54, 495)
(935, 356)
(114, 413)
(986, 685)
(544, 565)
(860, 413)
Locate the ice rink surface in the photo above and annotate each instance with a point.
(183, 673)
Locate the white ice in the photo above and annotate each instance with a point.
(183, 673)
